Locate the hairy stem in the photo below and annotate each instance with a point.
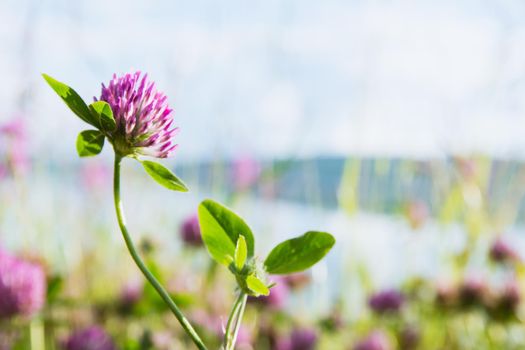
(149, 276)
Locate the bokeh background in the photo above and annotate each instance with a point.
(396, 126)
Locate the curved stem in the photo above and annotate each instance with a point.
(235, 318)
(149, 276)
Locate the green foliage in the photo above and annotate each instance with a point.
(241, 253)
(298, 254)
(230, 242)
(54, 287)
(220, 229)
(164, 176)
(90, 143)
(103, 114)
(72, 100)
(257, 286)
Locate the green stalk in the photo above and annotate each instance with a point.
(239, 321)
(149, 276)
(235, 318)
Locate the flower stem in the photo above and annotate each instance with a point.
(239, 321)
(235, 318)
(149, 276)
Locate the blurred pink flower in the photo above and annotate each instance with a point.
(246, 172)
(244, 337)
(130, 295)
(389, 300)
(417, 214)
(377, 340)
(409, 337)
(502, 252)
(22, 286)
(473, 291)
(299, 339)
(303, 339)
(95, 175)
(14, 128)
(467, 168)
(190, 231)
(162, 340)
(16, 154)
(91, 338)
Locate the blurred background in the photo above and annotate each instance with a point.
(395, 126)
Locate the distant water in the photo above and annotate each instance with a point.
(382, 185)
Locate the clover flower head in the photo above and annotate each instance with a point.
(473, 291)
(22, 286)
(303, 339)
(376, 340)
(190, 231)
(130, 294)
(409, 337)
(501, 252)
(144, 121)
(91, 338)
(509, 298)
(389, 300)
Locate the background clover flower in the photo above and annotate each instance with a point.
(473, 291)
(22, 286)
(91, 338)
(389, 300)
(130, 295)
(190, 231)
(144, 121)
(505, 302)
(299, 339)
(13, 146)
(377, 340)
(501, 252)
(245, 172)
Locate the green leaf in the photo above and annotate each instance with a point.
(256, 286)
(90, 143)
(221, 228)
(241, 252)
(164, 176)
(101, 110)
(72, 100)
(298, 254)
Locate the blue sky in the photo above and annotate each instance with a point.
(283, 78)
